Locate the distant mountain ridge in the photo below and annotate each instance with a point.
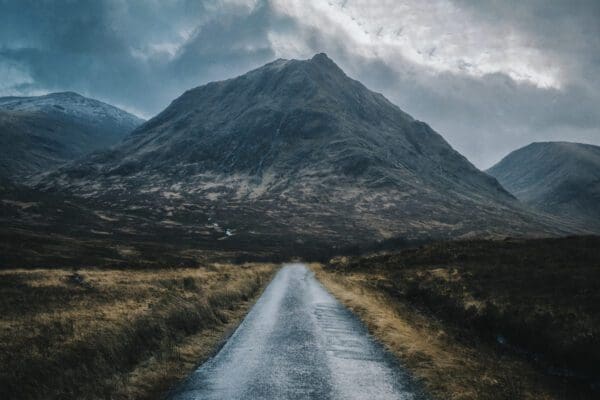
(560, 178)
(42, 132)
(297, 150)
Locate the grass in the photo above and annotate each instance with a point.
(484, 319)
(121, 334)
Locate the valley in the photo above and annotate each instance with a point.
(477, 319)
(288, 233)
(292, 159)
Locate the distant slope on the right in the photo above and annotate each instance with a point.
(560, 178)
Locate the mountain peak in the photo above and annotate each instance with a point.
(69, 103)
(319, 64)
(64, 94)
(325, 63)
(551, 151)
(321, 58)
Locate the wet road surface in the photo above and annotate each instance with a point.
(299, 342)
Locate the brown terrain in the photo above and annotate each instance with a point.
(119, 334)
(513, 319)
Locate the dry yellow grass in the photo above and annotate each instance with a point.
(116, 333)
(448, 368)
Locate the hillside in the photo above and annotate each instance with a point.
(38, 133)
(559, 178)
(295, 154)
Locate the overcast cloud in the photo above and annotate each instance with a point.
(490, 76)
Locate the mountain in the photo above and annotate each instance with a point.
(56, 229)
(560, 178)
(295, 154)
(39, 133)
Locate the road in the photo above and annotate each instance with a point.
(299, 342)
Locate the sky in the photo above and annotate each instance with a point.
(490, 76)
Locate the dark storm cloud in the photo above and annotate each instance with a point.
(487, 118)
(226, 46)
(138, 54)
(490, 76)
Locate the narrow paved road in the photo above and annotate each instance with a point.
(299, 342)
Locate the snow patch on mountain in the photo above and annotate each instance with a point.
(69, 103)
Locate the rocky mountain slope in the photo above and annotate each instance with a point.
(560, 178)
(38, 133)
(290, 154)
(40, 229)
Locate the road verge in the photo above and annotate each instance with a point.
(448, 366)
(120, 334)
